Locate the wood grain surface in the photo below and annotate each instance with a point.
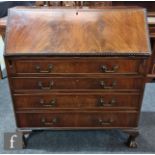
(77, 31)
(78, 66)
(78, 101)
(78, 119)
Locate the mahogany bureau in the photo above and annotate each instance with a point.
(77, 68)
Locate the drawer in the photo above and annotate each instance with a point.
(78, 119)
(77, 101)
(75, 66)
(63, 83)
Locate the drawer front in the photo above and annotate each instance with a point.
(62, 83)
(90, 119)
(73, 101)
(75, 66)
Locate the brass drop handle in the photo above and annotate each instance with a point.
(52, 103)
(49, 69)
(103, 122)
(105, 69)
(103, 104)
(52, 122)
(40, 85)
(103, 85)
(112, 102)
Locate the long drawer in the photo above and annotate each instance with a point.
(62, 83)
(75, 119)
(77, 101)
(75, 66)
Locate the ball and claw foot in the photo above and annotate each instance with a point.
(24, 142)
(25, 136)
(131, 142)
(23, 145)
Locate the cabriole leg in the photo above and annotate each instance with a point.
(25, 135)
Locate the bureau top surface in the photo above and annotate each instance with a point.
(108, 31)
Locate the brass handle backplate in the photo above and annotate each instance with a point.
(102, 103)
(52, 103)
(103, 85)
(103, 122)
(38, 69)
(52, 122)
(40, 85)
(106, 70)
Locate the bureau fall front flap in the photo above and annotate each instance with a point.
(108, 31)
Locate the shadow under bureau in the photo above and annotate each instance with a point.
(77, 68)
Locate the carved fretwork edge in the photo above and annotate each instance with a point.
(104, 54)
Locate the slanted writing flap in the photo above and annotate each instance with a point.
(77, 31)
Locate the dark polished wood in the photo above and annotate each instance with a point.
(150, 19)
(66, 78)
(78, 119)
(61, 66)
(98, 101)
(78, 84)
(131, 141)
(151, 60)
(25, 136)
(70, 30)
(150, 15)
